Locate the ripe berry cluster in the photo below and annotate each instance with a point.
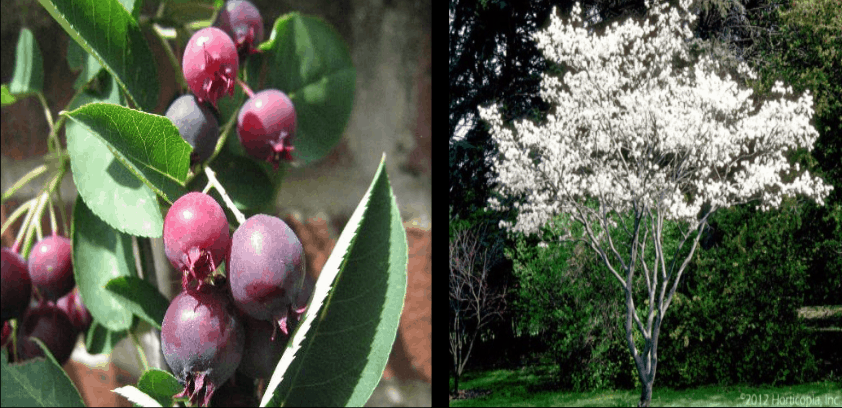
(231, 321)
(266, 122)
(41, 294)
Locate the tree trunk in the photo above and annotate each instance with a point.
(456, 386)
(645, 393)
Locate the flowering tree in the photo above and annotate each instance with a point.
(642, 133)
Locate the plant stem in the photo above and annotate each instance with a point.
(212, 181)
(141, 354)
(245, 87)
(33, 174)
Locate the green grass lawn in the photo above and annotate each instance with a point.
(525, 388)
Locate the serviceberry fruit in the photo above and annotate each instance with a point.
(50, 267)
(16, 285)
(266, 126)
(210, 64)
(261, 354)
(71, 304)
(242, 21)
(197, 126)
(202, 341)
(196, 238)
(266, 270)
(50, 325)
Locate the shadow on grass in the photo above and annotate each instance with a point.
(536, 388)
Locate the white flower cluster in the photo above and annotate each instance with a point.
(630, 129)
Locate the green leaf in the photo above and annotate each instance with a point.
(100, 340)
(100, 253)
(78, 59)
(337, 354)
(310, 62)
(7, 96)
(120, 159)
(108, 32)
(37, 383)
(159, 385)
(29, 71)
(141, 298)
(118, 198)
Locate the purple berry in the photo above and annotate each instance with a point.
(241, 20)
(197, 126)
(261, 354)
(50, 325)
(210, 64)
(266, 126)
(202, 341)
(196, 238)
(71, 304)
(266, 270)
(16, 285)
(50, 267)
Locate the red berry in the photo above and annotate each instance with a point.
(50, 325)
(202, 341)
(266, 126)
(71, 304)
(196, 238)
(16, 285)
(50, 267)
(210, 64)
(266, 270)
(242, 21)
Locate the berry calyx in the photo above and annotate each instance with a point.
(266, 271)
(202, 341)
(16, 285)
(242, 21)
(197, 126)
(266, 126)
(50, 267)
(210, 64)
(196, 238)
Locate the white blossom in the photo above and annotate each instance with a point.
(629, 130)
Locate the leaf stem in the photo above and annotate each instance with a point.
(16, 214)
(140, 353)
(33, 174)
(212, 181)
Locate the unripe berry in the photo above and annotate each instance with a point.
(196, 238)
(197, 126)
(50, 267)
(210, 64)
(266, 126)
